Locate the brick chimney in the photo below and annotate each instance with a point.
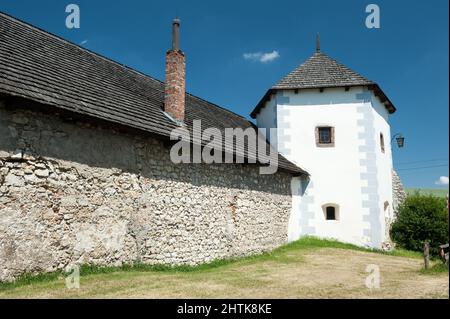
(174, 91)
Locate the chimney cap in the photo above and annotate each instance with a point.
(176, 34)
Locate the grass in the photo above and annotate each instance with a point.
(437, 268)
(278, 254)
(308, 268)
(438, 192)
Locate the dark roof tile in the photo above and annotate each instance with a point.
(47, 69)
(321, 71)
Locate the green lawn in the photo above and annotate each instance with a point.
(439, 192)
(308, 268)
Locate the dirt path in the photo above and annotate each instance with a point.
(323, 273)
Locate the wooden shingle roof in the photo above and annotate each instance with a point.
(42, 67)
(321, 71)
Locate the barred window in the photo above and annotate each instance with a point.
(325, 136)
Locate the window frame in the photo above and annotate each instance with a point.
(332, 136)
(337, 213)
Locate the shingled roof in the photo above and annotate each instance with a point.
(47, 69)
(321, 71)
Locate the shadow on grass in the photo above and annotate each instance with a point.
(279, 254)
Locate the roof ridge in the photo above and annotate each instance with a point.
(310, 59)
(321, 71)
(140, 73)
(295, 69)
(82, 92)
(341, 64)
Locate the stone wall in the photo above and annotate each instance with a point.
(398, 191)
(398, 196)
(76, 192)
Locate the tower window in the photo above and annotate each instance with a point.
(382, 142)
(331, 211)
(325, 136)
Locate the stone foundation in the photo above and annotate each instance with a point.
(78, 193)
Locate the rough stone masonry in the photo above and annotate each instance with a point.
(82, 193)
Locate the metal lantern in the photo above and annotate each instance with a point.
(400, 141)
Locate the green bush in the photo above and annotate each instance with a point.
(421, 218)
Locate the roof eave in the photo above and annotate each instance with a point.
(297, 173)
(375, 87)
(383, 98)
(260, 104)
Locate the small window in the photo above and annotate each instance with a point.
(331, 211)
(325, 136)
(382, 142)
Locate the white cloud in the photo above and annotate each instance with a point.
(84, 42)
(267, 57)
(443, 181)
(252, 56)
(262, 57)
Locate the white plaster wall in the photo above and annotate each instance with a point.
(267, 119)
(294, 230)
(336, 172)
(383, 160)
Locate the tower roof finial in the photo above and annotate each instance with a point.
(317, 42)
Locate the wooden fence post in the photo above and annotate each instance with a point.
(426, 254)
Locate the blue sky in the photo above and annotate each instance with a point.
(408, 56)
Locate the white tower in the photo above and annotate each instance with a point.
(335, 123)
